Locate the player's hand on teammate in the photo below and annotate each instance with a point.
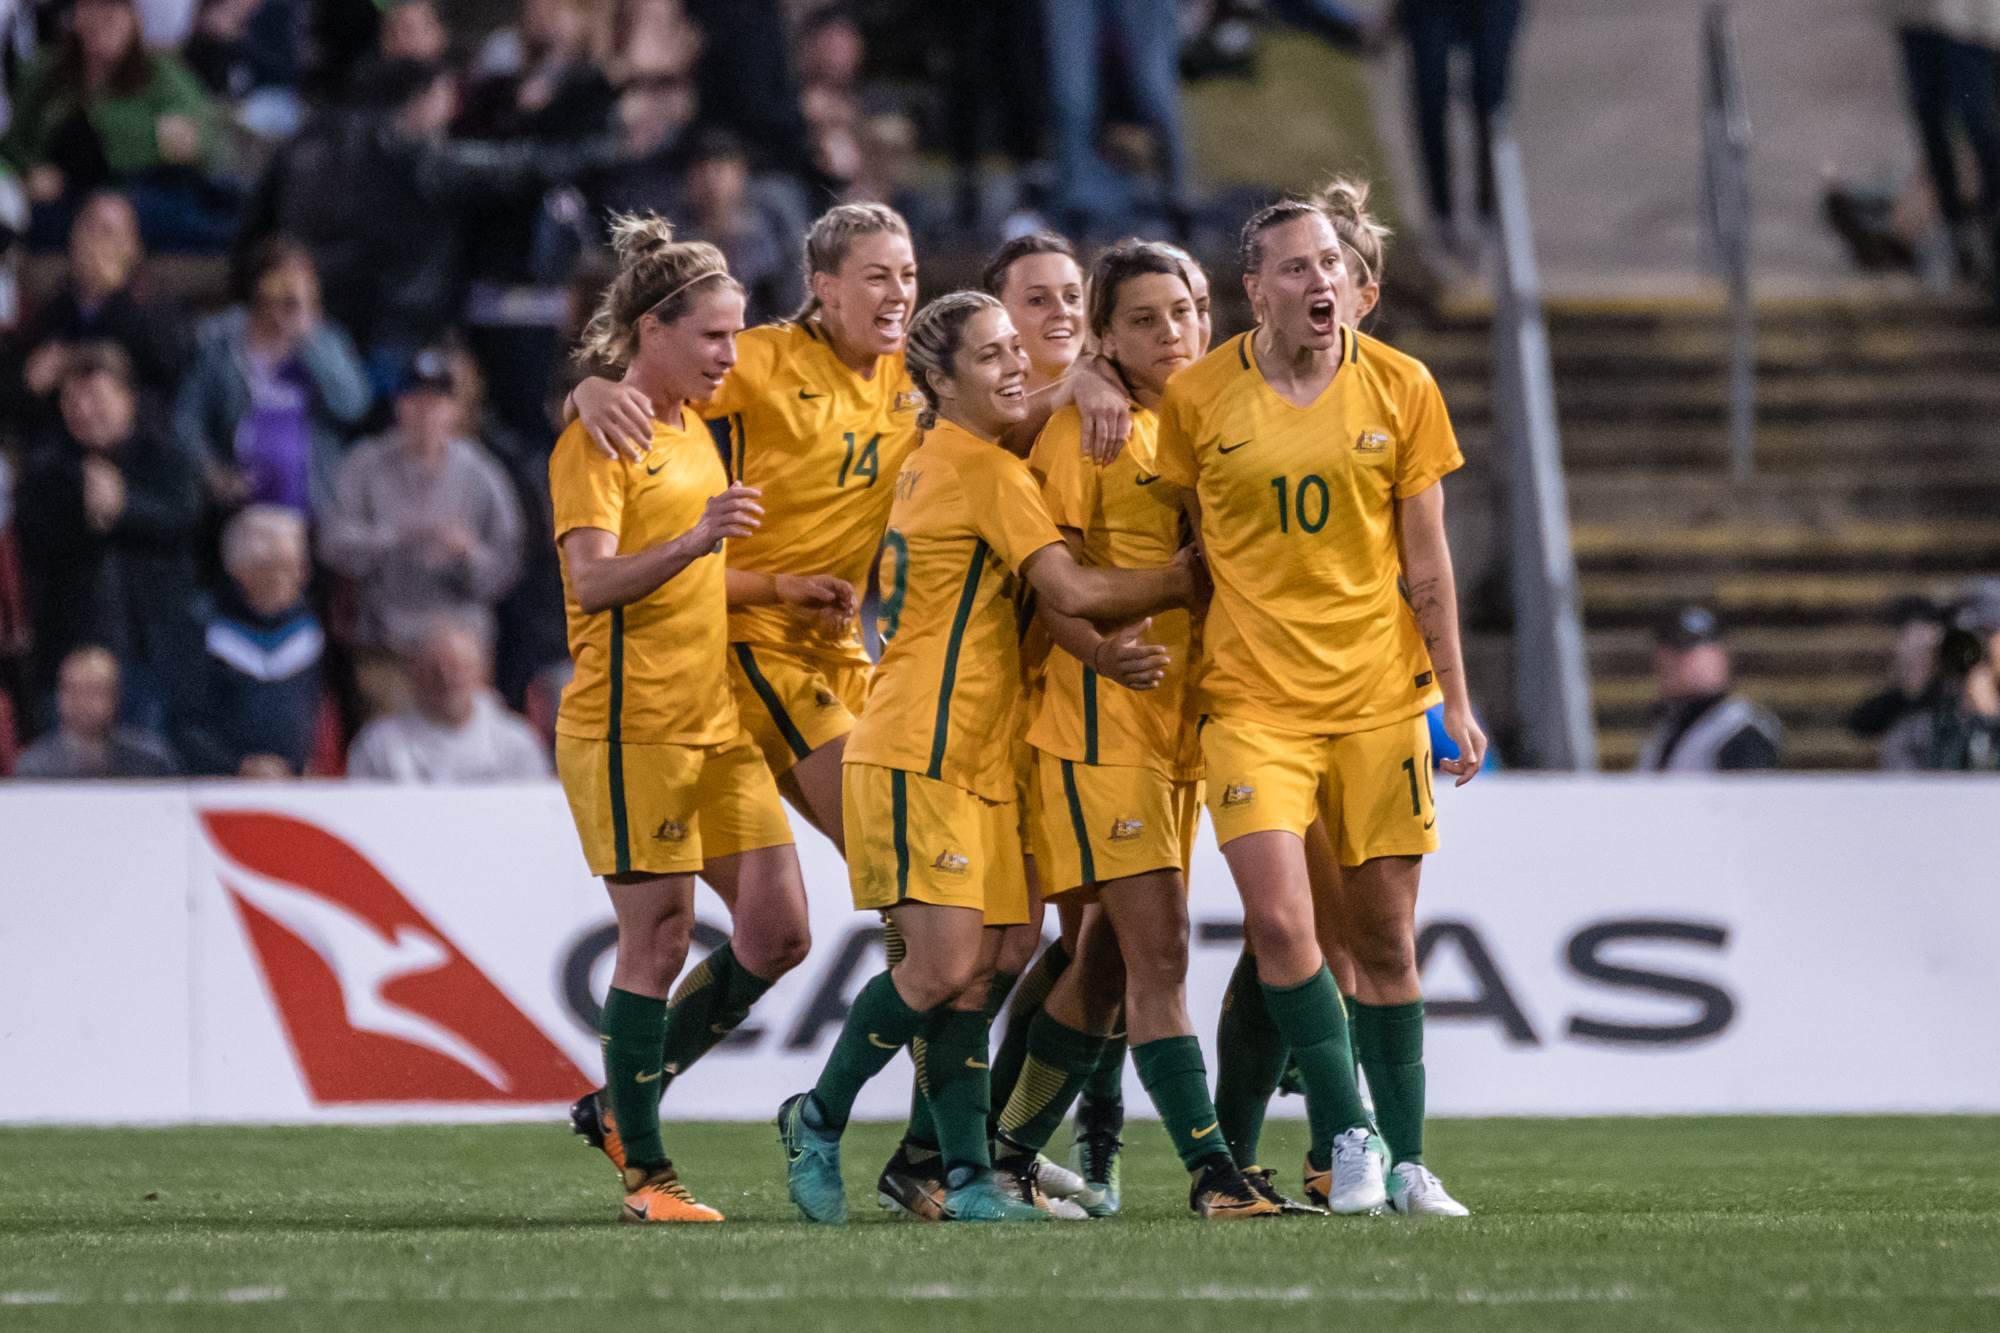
(1193, 566)
(1463, 728)
(734, 513)
(829, 601)
(1106, 410)
(1125, 657)
(618, 417)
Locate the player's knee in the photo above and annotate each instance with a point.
(1384, 954)
(1162, 968)
(927, 982)
(774, 947)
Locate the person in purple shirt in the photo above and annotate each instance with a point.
(274, 390)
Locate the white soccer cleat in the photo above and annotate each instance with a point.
(1056, 1180)
(1017, 1180)
(1415, 1192)
(1360, 1165)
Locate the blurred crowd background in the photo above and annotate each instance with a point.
(287, 287)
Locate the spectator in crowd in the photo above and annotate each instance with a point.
(647, 37)
(273, 391)
(104, 110)
(412, 30)
(383, 200)
(246, 53)
(1950, 52)
(456, 730)
(1959, 732)
(251, 707)
(1703, 726)
(1485, 30)
(1913, 670)
(424, 522)
(1145, 36)
(993, 98)
(521, 245)
(106, 508)
(87, 741)
(759, 238)
(746, 82)
(98, 302)
(657, 109)
(887, 174)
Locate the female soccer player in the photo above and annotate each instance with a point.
(1250, 1055)
(820, 413)
(1118, 771)
(929, 787)
(661, 779)
(1316, 673)
(1039, 281)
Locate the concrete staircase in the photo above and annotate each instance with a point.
(1878, 476)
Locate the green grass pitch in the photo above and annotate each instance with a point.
(1748, 1224)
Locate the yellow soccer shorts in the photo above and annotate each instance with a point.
(1373, 787)
(1094, 823)
(914, 839)
(792, 704)
(666, 809)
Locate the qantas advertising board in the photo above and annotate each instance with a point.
(354, 953)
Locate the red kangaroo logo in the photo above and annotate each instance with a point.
(378, 1004)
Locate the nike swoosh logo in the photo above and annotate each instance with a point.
(1148, 481)
(1204, 1133)
(971, 1063)
(720, 1029)
(641, 1213)
(1430, 823)
(879, 1044)
(806, 397)
(653, 1077)
(655, 471)
(1231, 448)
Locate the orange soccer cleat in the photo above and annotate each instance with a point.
(658, 1196)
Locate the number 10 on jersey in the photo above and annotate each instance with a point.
(1304, 503)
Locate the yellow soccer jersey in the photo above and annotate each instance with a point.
(944, 699)
(1308, 628)
(1131, 518)
(650, 672)
(824, 445)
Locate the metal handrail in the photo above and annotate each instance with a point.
(1551, 677)
(1725, 136)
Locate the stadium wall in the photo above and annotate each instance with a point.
(317, 953)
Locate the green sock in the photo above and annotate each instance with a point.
(921, 1131)
(954, 1074)
(1177, 1080)
(878, 1026)
(707, 1006)
(1351, 1004)
(1029, 997)
(1250, 1058)
(1314, 1025)
(631, 1029)
(1059, 1060)
(1390, 1038)
(1107, 1081)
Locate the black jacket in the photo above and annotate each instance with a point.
(130, 589)
(255, 689)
